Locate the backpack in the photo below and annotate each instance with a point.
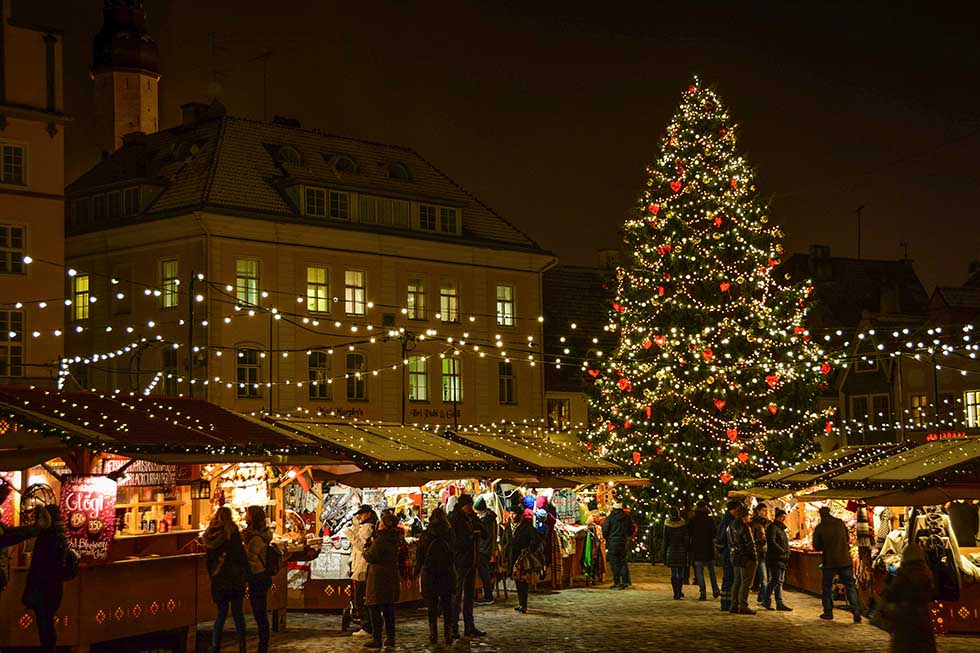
(273, 559)
(69, 564)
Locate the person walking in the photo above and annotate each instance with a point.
(228, 567)
(257, 537)
(383, 584)
(777, 559)
(358, 533)
(521, 556)
(759, 523)
(45, 578)
(616, 531)
(434, 567)
(831, 538)
(702, 529)
(487, 548)
(721, 542)
(676, 545)
(744, 560)
(466, 537)
(910, 593)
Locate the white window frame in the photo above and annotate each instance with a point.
(452, 379)
(418, 379)
(320, 368)
(437, 218)
(971, 408)
(248, 388)
(449, 301)
(169, 283)
(318, 300)
(318, 196)
(356, 377)
(506, 306)
(559, 414)
(247, 282)
(12, 349)
(434, 217)
(342, 210)
(12, 256)
(355, 294)
(506, 383)
(80, 297)
(415, 297)
(918, 404)
(7, 148)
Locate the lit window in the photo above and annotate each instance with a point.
(356, 383)
(79, 297)
(317, 290)
(168, 368)
(249, 371)
(13, 169)
(11, 249)
(418, 379)
(505, 385)
(319, 375)
(449, 301)
(427, 217)
(314, 202)
(505, 305)
(447, 220)
(559, 414)
(416, 298)
(169, 283)
(452, 386)
(11, 346)
(131, 201)
(339, 205)
(919, 407)
(247, 281)
(971, 408)
(354, 293)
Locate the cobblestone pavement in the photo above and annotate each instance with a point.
(644, 618)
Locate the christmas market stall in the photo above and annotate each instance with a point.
(137, 478)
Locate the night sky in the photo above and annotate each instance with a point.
(549, 111)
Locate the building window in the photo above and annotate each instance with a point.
(919, 408)
(317, 290)
(505, 383)
(80, 211)
(452, 380)
(560, 414)
(427, 217)
(346, 165)
(882, 411)
(946, 410)
(115, 203)
(398, 170)
(384, 211)
(339, 205)
(11, 346)
(168, 368)
(12, 244)
(247, 281)
(314, 202)
(99, 208)
(449, 301)
(416, 298)
(14, 168)
(131, 201)
(170, 284)
(971, 408)
(354, 293)
(873, 410)
(249, 370)
(447, 220)
(289, 155)
(418, 379)
(319, 375)
(505, 305)
(79, 297)
(356, 383)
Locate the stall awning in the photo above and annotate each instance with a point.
(827, 465)
(618, 479)
(539, 454)
(929, 464)
(761, 492)
(842, 494)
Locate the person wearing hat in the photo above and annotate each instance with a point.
(777, 559)
(677, 539)
(487, 549)
(910, 593)
(520, 555)
(358, 533)
(744, 560)
(617, 529)
(466, 538)
(831, 537)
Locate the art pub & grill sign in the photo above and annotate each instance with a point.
(88, 506)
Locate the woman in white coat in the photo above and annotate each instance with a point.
(359, 534)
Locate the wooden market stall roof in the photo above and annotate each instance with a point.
(825, 466)
(931, 464)
(538, 453)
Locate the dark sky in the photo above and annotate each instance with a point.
(549, 111)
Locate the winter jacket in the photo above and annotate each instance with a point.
(434, 561)
(830, 536)
(702, 530)
(466, 533)
(256, 548)
(358, 535)
(45, 583)
(911, 591)
(777, 549)
(617, 530)
(227, 564)
(740, 544)
(8, 538)
(523, 540)
(759, 526)
(383, 580)
(676, 541)
(721, 539)
(488, 543)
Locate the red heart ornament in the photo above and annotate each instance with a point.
(718, 221)
(660, 290)
(719, 403)
(708, 355)
(723, 131)
(773, 409)
(772, 263)
(654, 208)
(660, 451)
(660, 340)
(732, 434)
(610, 426)
(798, 329)
(806, 338)
(828, 427)
(692, 89)
(743, 457)
(734, 183)
(628, 424)
(661, 250)
(636, 457)
(624, 385)
(724, 285)
(588, 445)
(649, 411)
(825, 368)
(772, 380)
(725, 478)
(647, 343)
(675, 185)
(822, 386)
(593, 373)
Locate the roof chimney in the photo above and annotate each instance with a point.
(192, 112)
(819, 251)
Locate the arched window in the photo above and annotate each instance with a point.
(289, 155)
(398, 170)
(346, 165)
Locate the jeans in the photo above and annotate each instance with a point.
(522, 591)
(386, 613)
(699, 575)
(440, 604)
(45, 629)
(846, 575)
(777, 576)
(258, 598)
(761, 577)
(741, 585)
(235, 602)
(727, 579)
(484, 570)
(463, 597)
(618, 566)
(360, 586)
(677, 573)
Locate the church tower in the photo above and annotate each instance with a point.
(126, 70)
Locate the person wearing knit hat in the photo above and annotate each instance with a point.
(528, 502)
(777, 559)
(467, 534)
(487, 548)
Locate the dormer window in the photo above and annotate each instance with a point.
(289, 155)
(439, 219)
(398, 170)
(346, 165)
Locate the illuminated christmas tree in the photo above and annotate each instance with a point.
(714, 377)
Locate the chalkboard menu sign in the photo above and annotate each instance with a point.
(88, 506)
(141, 473)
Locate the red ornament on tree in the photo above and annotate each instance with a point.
(610, 426)
(675, 185)
(725, 286)
(734, 183)
(825, 368)
(660, 340)
(718, 221)
(624, 385)
(743, 457)
(732, 434)
(649, 411)
(798, 329)
(708, 355)
(636, 457)
(719, 404)
(593, 373)
(828, 427)
(773, 409)
(772, 380)
(661, 290)
(654, 208)
(647, 343)
(725, 477)
(692, 89)
(628, 424)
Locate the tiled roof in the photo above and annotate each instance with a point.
(228, 164)
(961, 298)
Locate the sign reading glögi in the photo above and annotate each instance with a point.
(88, 506)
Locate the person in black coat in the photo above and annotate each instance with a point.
(520, 550)
(702, 529)
(45, 578)
(434, 565)
(744, 560)
(228, 568)
(617, 529)
(721, 541)
(466, 537)
(777, 559)
(676, 545)
(487, 548)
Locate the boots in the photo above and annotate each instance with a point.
(447, 633)
(676, 584)
(433, 629)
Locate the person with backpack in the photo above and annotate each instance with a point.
(257, 537)
(52, 563)
(383, 579)
(434, 566)
(228, 567)
(521, 555)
